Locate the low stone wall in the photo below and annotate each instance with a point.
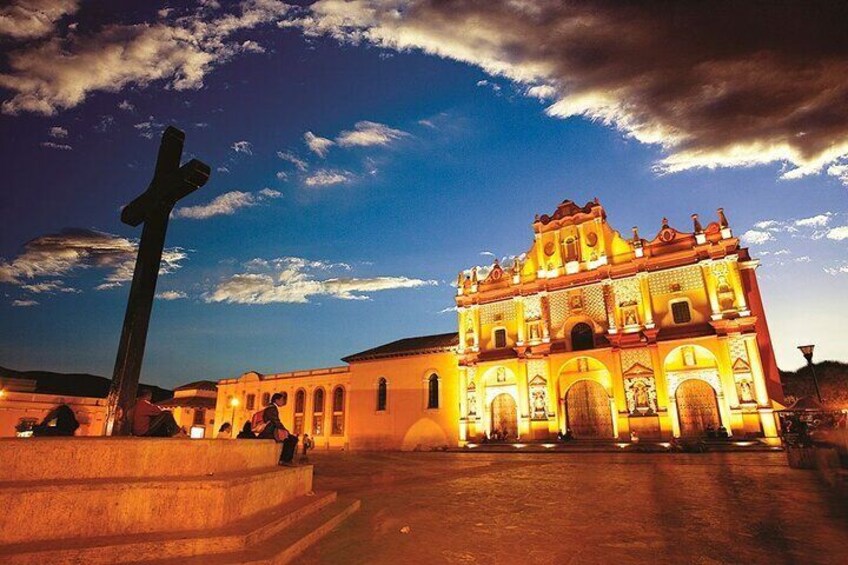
(59, 490)
(29, 459)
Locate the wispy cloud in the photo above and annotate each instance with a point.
(242, 147)
(367, 134)
(290, 157)
(59, 146)
(838, 233)
(171, 295)
(57, 132)
(297, 280)
(63, 70)
(226, 204)
(57, 256)
(817, 221)
(325, 177)
(24, 303)
(126, 106)
(30, 19)
(756, 237)
(318, 145)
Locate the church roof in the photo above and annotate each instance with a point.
(408, 346)
(199, 385)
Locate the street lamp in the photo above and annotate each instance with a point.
(234, 402)
(807, 352)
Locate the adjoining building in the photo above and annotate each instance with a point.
(587, 331)
(27, 397)
(193, 406)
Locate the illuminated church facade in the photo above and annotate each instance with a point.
(589, 331)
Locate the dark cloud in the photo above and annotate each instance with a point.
(713, 83)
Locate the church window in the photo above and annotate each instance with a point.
(266, 398)
(680, 312)
(582, 337)
(199, 417)
(338, 411)
(251, 402)
(500, 338)
(318, 412)
(572, 250)
(381, 394)
(299, 402)
(433, 391)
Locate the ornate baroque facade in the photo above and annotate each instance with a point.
(588, 331)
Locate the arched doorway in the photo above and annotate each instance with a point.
(582, 337)
(587, 410)
(505, 415)
(697, 407)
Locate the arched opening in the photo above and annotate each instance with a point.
(382, 392)
(299, 403)
(433, 391)
(587, 410)
(318, 412)
(504, 417)
(582, 337)
(338, 411)
(697, 407)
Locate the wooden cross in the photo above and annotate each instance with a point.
(170, 183)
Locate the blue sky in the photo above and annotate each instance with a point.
(435, 150)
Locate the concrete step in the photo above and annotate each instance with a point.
(171, 546)
(282, 548)
(65, 509)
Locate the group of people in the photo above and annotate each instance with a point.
(716, 433)
(150, 420)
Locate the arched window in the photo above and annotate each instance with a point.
(266, 398)
(318, 412)
(382, 393)
(338, 411)
(433, 391)
(299, 402)
(582, 337)
(500, 338)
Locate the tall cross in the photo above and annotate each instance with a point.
(170, 183)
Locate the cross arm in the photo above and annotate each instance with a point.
(174, 187)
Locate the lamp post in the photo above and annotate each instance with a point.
(807, 351)
(234, 402)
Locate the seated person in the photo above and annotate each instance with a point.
(245, 433)
(61, 421)
(275, 429)
(150, 420)
(225, 431)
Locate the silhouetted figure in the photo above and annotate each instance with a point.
(150, 420)
(722, 433)
(711, 433)
(61, 421)
(246, 432)
(274, 429)
(308, 444)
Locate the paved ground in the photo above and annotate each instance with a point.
(579, 508)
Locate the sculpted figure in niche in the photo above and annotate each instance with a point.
(630, 318)
(745, 392)
(689, 356)
(472, 403)
(501, 375)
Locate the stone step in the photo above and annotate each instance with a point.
(282, 548)
(170, 546)
(65, 509)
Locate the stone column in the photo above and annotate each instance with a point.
(736, 281)
(546, 318)
(519, 315)
(709, 284)
(609, 303)
(463, 405)
(647, 305)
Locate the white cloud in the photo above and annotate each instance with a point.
(71, 250)
(59, 146)
(57, 132)
(754, 237)
(148, 129)
(296, 280)
(24, 303)
(542, 92)
(242, 147)
(293, 159)
(782, 252)
(48, 287)
(282, 175)
(496, 88)
(770, 225)
(226, 204)
(711, 88)
(223, 169)
(839, 270)
(318, 145)
(838, 233)
(324, 177)
(817, 221)
(63, 70)
(803, 259)
(126, 106)
(366, 134)
(30, 19)
(171, 295)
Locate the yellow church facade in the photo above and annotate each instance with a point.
(587, 333)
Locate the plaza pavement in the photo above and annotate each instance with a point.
(580, 508)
